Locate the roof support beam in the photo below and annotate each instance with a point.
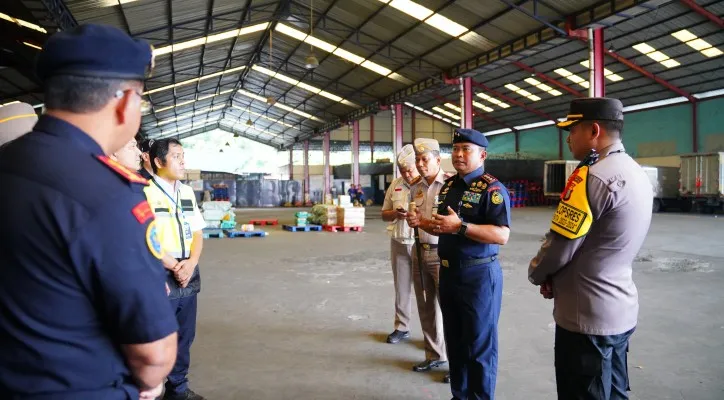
(703, 12)
(60, 14)
(534, 15)
(548, 79)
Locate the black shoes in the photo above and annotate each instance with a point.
(187, 395)
(396, 336)
(428, 365)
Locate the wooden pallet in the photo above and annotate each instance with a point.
(212, 232)
(264, 222)
(334, 228)
(307, 228)
(235, 234)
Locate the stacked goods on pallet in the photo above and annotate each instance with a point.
(344, 201)
(323, 214)
(218, 214)
(301, 218)
(525, 193)
(350, 216)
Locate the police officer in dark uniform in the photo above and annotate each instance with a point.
(83, 307)
(473, 220)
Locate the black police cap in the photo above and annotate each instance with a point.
(94, 50)
(593, 109)
(470, 136)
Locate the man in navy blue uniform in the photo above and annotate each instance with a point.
(473, 220)
(83, 307)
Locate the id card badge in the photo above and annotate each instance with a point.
(187, 231)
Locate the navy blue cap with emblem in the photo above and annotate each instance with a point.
(470, 136)
(94, 50)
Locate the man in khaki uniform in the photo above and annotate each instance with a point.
(427, 160)
(585, 263)
(394, 210)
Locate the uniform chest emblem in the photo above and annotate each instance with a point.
(444, 191)
(467, 205)
(471, 197)
(496, 198)
(420, 194)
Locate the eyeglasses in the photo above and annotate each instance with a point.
(145, 104)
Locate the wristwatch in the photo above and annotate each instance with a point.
(463, 228)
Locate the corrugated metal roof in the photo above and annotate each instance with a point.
(394, 40)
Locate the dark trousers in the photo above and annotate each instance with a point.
(185, 308)
(591, 367)
(470, 299)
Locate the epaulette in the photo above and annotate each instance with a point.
(417, 179)
(126, 173)
(489, 178)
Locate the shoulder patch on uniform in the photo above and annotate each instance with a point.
(142, 212)
(131, 176)
(496, 198)
(489, 178)
(154, 244)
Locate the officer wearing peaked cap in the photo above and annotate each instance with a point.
(83, 307)
(394, 210)
(473, 221)
(585, 263)
(426, 264)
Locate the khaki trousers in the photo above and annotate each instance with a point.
(401, 255)
(429, 306)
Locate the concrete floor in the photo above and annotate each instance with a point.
(305, 316)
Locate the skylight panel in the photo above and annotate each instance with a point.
(194, 80)
(482, 106)
(697, 43)
(656, 55)
(446, 25)
(522, 92)
(23, 23)
(411, 8)
(492, 100)
(572, 77)
(209, 39)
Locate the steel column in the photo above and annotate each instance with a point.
(355, 152)
(291, 163)
(372, 138)
(306, 172)
(703, 12)
(327, 185)
(466, 102)
(397, 133)
(599, 83)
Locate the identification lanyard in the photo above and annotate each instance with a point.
(184, 227)
(174, 201)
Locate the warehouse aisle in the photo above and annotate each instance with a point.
(305, 315)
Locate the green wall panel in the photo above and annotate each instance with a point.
(711, 125)
(649, 133)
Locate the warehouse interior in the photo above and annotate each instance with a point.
(338, 87)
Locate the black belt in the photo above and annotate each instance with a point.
(471, 262)
(428, 246)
